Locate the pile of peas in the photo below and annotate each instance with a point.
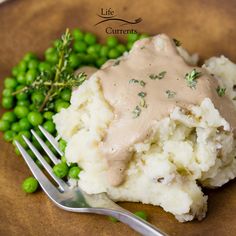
(23, 114)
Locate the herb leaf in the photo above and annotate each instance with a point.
(136, 112)
(116, 63)
(170, 94)
(142, 83)
(159, 76)
(142, 94)
(135, 81)
(191, 78)
(220, 91)
(177, 42)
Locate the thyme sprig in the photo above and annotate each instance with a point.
(50, 83)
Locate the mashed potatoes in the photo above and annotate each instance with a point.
(190, 147)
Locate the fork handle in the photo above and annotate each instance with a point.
(134, 222)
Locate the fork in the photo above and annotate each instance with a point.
(75, 199)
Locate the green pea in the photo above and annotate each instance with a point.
(97, 48)
(89, 59)
(80, 46)
(56, 43)
(74, 172)
(22, 67)
(121, 48)
(30, 152)
(49, 126)
(62, 145)
(4, 125)
(9, 135)
(33, 64)
(37, 98)
(31, 76)
(78, 34)
(51, 55)
(48, 115)
(60, 170)
(141, 214)
(143, 36)
(47, 159)
(90, 38)
(100, 61)
(7, 102)
(10, 83)
(24, 124)
(129, 45)
(104, 51)
(66, 94)
(21, 78)
(17, 151)
(113, 53)
(15, 71)
(63, 159)
(132, 37)
(32, 107)
(44, 66)
(36, 143)
(7, 92)
(74, 60)
(21, 95)
(113, 219)
(9, 116)
(15, 127)
(39, 164)
(24, 103)
(30, 185)
(51, 147)
(20, 140)
(29, 56)
(21, 111)
(112, 41)
(92, 50)
(60, 104)
(35, 118)
(39, 133)
(25, 133)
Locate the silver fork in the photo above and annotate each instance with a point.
(75, 199)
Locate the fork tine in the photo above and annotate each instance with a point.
(45, 148)
(48, 168)
(51, 139)
(46, 185)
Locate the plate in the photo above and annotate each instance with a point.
(206, 27)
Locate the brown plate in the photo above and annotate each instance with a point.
(207, 27)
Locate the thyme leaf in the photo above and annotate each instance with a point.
(142, 94)
(177, 42)
(136, 112)
(170, 94)
(220, 91)
(161, 75)
(116, 63)
(191, 78)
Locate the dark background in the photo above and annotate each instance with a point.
(206, 27)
